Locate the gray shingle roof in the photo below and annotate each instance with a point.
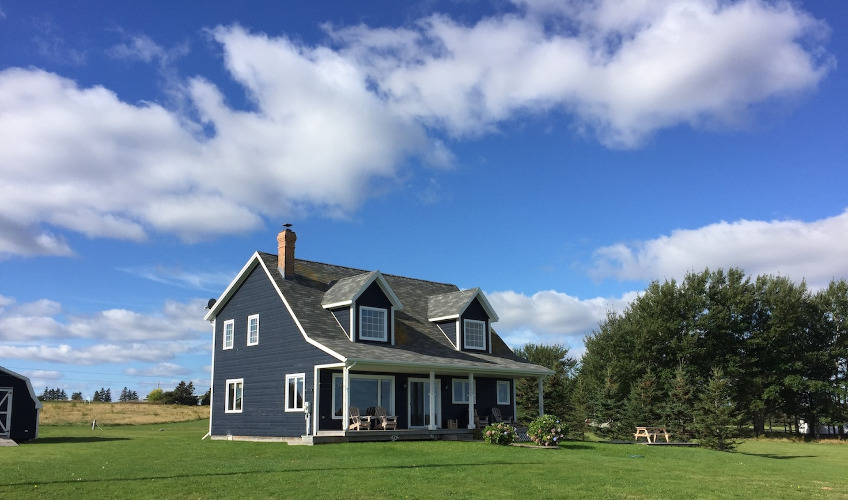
(345, 289)
(450, 304)
(419, 343)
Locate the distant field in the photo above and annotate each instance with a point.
(171, 461)
(75, 412)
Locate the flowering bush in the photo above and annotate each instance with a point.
(546, 431)
(499, 433)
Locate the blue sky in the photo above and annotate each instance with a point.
(559, 155)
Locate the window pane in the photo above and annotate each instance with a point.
(475, 334)
(386, 395)
(253, 330)
(372, 324)
(238, 396)
(363, 393)
(503, 392)
(338, 395)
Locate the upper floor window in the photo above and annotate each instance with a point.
(295, 391)
(229, 327)
(372, 324)
(253, 329)
(235, 389)
(475, 334)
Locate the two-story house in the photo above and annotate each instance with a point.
(298, 343)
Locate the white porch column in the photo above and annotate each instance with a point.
(345, 397)
(541, 396)
(433, 388)
(472, 400)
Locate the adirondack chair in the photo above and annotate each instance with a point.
(358, 422)
(478, 422)
(497, 417)
(384, 421)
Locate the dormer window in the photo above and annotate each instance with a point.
(475, 334)
(372, 324)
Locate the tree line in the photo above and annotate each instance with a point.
(183, 394)
(718, 345)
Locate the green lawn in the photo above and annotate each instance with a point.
(146, 462)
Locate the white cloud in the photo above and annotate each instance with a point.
(627, 69)
(325, 122)
(98, 354)
(175, 276)
(551, 317)
(814, 251)
(31, 322)
(159, 370)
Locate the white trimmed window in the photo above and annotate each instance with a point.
(372, 324)
(503, 392)
(229, 333)
(365, 391)
(475, 334)
(235, 395)
(295, 391)
(253, 329)
(461, 391)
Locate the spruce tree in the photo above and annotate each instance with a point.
(715, 419)
(680, 406)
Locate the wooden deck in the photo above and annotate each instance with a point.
(324, 437)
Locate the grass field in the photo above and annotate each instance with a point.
(75, 412)
(171, 461)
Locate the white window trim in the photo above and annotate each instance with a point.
(465, 344)
(390, 408)
(249, 318)
(232, 324)
(295, 376)
(385, 336)
(498, 391)
(456, 401)
(230, 382)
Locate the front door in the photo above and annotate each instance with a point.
(419, 403)
(5, 411)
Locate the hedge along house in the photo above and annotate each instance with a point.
(297, 343)
(19, 407)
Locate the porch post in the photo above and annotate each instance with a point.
(541, 396)
(432, 425)
(472, 400)
(345, 397)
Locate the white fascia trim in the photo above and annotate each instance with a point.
(32, 395)
(443, 318)
(294, 317)
(384, 285)
(212, 375)
(231, 289)
(505, 372)
(487, 306)
(334, 305)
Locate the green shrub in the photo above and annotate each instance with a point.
(546, 431)
(499, 433)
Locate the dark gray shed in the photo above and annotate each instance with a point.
(19, 407)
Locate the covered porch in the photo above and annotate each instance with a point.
(436, 404)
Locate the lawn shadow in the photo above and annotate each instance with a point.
(575, 446)
(269, 471)
(75, 439)
(776, 457)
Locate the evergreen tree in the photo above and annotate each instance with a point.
(107, 396)
(609, 409)
(679, 408)
(76, 396)
(556, 389)
(643, 404)
(96, 397)
(206, 399)
(715, 414)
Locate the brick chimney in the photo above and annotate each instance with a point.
(285, 253)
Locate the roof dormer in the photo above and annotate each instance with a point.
(364, 306)
(465, 317)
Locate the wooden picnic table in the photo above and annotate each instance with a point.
(651, 433)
